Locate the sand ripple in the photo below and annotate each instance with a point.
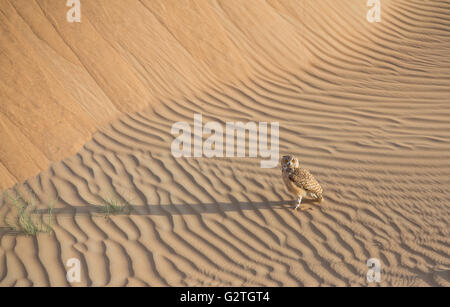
(365, 108)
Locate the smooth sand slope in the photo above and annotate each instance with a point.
(364, 106)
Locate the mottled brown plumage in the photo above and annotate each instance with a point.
(299, 181)
(305, 180)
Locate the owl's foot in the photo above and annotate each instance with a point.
(302, 208)
(297, 206)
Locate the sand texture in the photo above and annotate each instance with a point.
(86, 111)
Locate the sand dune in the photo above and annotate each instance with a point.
(365, 107)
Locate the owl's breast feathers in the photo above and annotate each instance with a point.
(303, 179)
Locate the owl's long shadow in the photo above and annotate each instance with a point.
(8, 230)
(176, 209)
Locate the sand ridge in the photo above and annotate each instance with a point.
(364, 106)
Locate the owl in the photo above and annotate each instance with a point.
(299, 181)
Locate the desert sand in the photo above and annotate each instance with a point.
(86, 111)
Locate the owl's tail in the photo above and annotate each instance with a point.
(320, 198)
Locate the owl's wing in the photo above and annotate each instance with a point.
(305, 180)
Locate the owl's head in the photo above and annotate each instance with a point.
(289, 162)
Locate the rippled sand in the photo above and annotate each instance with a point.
(87, 110)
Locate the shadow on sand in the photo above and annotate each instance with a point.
(177, 209)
